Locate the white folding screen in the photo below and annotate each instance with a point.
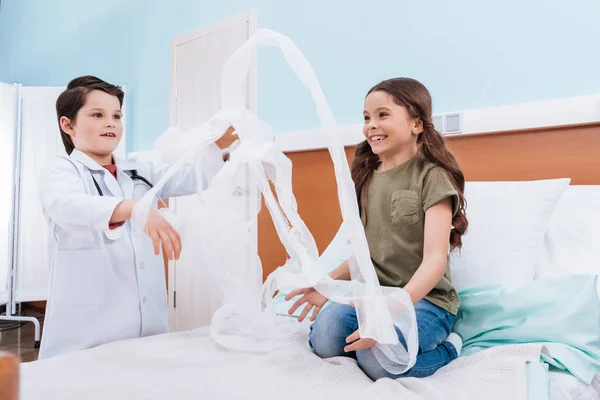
(8, 115)
(40, 143)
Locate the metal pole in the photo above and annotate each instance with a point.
(14, 251)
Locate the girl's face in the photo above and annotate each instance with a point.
(97, 128)
(388, 127)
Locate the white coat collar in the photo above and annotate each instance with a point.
(124, 188)
(86, 160)
(124, 179)
(90, 163)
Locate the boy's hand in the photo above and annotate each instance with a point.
(227, 139)
(160, 231)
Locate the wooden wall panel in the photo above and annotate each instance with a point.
(313, 183)
(543, 153)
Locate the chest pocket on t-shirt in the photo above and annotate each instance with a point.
(405, 207)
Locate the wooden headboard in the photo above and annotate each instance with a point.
(571, 151)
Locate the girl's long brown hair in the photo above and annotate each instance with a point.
(415, 97)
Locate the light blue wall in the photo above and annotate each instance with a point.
(470, 53)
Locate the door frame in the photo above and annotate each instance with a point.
(249, 16)
(251, 19)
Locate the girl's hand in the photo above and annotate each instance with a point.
(309, 296)
(160, 231)
(357, 343)
(227, 139)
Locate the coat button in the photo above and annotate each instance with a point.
(142, 265)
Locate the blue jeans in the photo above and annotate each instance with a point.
(335, 323)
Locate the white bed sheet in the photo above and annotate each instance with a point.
(563, 384)
(188, 365)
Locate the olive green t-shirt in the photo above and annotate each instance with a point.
(395, 224)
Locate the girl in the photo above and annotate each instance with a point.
(107, 282)
(410, 192)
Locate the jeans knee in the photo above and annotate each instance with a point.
(324, 346)
(327, 337)
(369, 364)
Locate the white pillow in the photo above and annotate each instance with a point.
(507, 223)
(572, 241)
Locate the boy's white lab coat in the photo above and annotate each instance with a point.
(102, 290)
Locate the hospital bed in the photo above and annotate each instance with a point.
(189, 365)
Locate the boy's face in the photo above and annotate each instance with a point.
(98, 128)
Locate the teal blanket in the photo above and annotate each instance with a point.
(562, 313)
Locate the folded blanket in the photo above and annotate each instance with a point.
(562, 313)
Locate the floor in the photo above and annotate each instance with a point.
(21, 340)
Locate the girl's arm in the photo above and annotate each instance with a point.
(342, 272)
(438, 223)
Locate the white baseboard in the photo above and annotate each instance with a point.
(316, 138)
(566, 111)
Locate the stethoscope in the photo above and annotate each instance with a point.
(134, 175)
(114, 234)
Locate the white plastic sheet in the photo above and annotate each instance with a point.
(41, 142)
(8, 112)
(246, 321)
